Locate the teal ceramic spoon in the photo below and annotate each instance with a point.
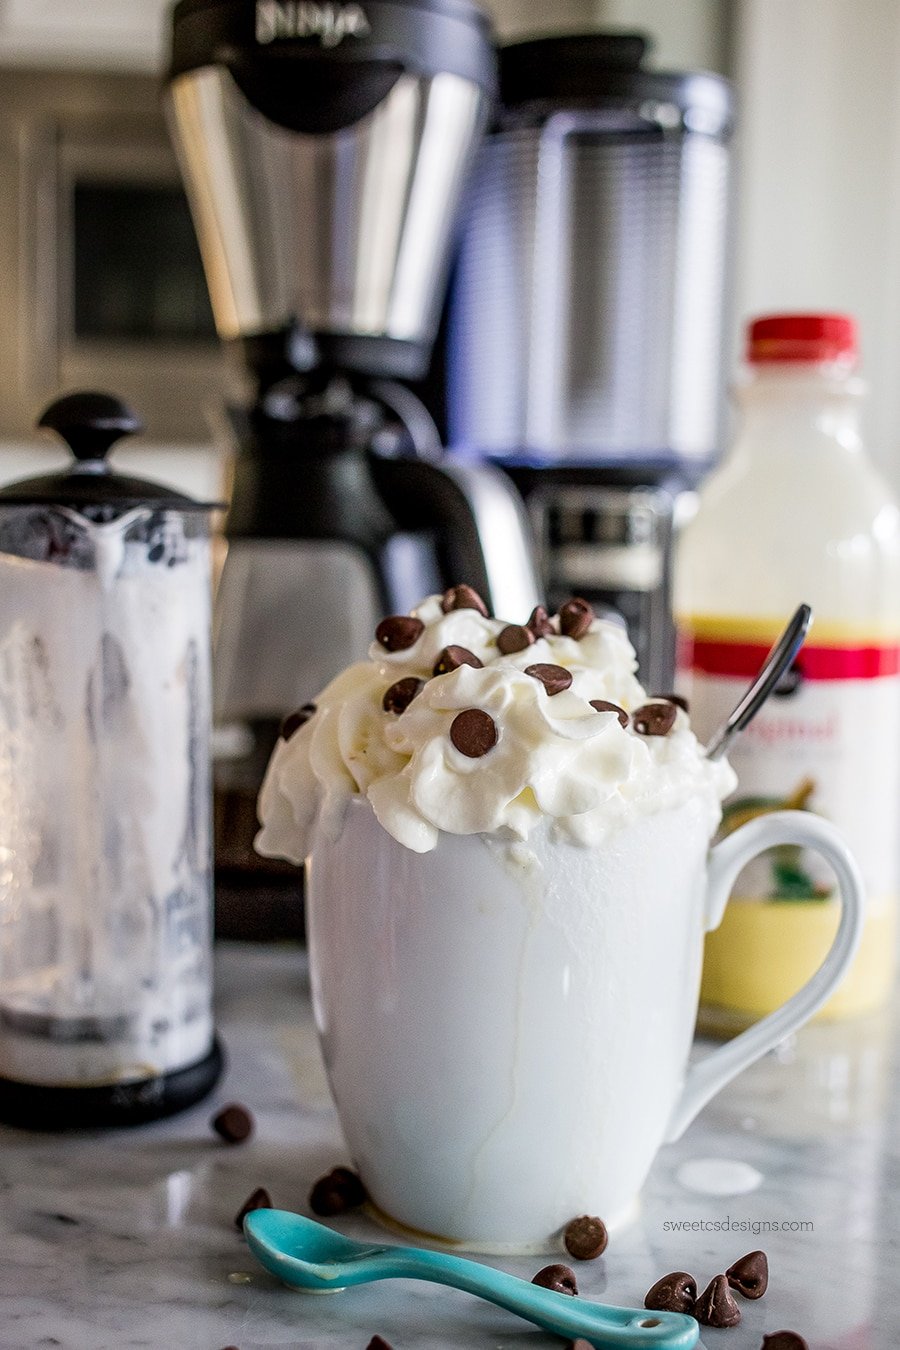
(307, 1255)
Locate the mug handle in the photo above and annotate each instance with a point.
(705, 1078)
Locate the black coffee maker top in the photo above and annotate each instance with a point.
(598, 68)
(317, 67)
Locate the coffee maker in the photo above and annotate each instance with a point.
(325, 148)
(584, 347)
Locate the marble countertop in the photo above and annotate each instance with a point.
(127, 1239)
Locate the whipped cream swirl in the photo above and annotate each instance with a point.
(557, 759)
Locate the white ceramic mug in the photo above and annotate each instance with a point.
(507, 1042)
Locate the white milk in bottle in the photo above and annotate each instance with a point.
(796, 512)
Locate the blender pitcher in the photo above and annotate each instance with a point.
(105, 854)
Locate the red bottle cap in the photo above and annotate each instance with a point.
(802, 337)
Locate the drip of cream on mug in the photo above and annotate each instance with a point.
(556, 758)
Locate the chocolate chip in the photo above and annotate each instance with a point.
(400, 695)
(337, 1192)
(515, 637)
(295, 720)
(750, 1275)
(654, 719)
(540, 623)
(260, 1199)
(715, 1307)
(473, 732)
(580, 1344)
(560, 1278)
(675, 1292)
(234, 1124)
(674, 698)
(601, 705)
(586, 1238)
(399, 632)
(554, 678)
(463, 597)
(451, 658)
(379, 1343)
(784, 1340)
(575, 618)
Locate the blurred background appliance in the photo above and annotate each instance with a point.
(325, 150)
(103, 284)
(584, 348)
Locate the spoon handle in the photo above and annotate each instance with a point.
(778, 661)
(607, 1328)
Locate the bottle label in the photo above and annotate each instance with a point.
(827, 740)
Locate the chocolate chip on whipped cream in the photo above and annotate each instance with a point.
(654, 719)
(558, 1277)
(463, 597)
(399, 632)
(515, 637)
(401, 694)
(452, 657)
(784, 1340)
(679, 702)
(555, 679)
(473, 732)
(295, 720)
(575, 618)
(601, 705)
(540, 623)
(750, 1275)
(548, 762)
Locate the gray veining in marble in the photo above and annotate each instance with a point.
(114, 1241)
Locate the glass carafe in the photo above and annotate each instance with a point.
(105, 866)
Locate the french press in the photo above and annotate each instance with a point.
(105, 854)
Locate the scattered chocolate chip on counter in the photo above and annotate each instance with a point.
(784, 1340)
(716, 1307)
(679, 702)
(451, 658)
(259, 1199)
(750, 1275)
(400, 695)
(399, 632)
(515, 637)
(473, 732)
(601, 705)
(586, 1238)
(575, 618)
(540, 623)
(233, 1123)
(379, 1343)
(295, 720)
(463, 597)
(337, 1192)
(675, 1292)
(555, 679)
(560, 1278)
(654, 719)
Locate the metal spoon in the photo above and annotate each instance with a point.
(306, 1255)
(776, 663)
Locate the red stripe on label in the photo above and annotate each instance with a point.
(743, 659)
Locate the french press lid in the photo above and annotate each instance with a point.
(90, 424)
